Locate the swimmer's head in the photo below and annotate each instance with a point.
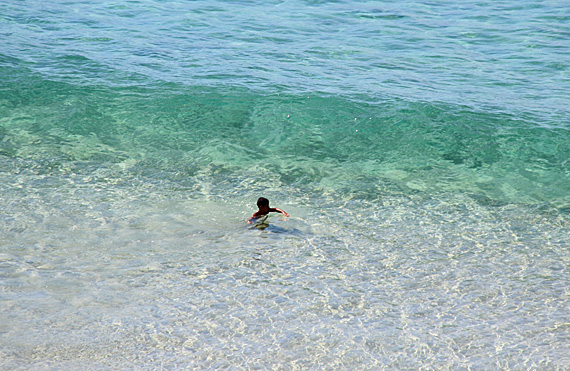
(262, 201)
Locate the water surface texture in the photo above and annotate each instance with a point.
(421, 148)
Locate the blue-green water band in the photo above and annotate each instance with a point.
(315, 142)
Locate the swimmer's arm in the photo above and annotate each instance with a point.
(276, 210)
(255, 216)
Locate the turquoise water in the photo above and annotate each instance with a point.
(421, 148)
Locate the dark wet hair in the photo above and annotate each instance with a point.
(262, 201)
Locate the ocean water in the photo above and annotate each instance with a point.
(422, 149)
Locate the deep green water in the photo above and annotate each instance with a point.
(194, 137)
(422, 150)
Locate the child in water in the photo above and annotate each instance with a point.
(264, 209)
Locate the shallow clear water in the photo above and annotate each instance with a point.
(422, 150)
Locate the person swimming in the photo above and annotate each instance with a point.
(264, 209)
